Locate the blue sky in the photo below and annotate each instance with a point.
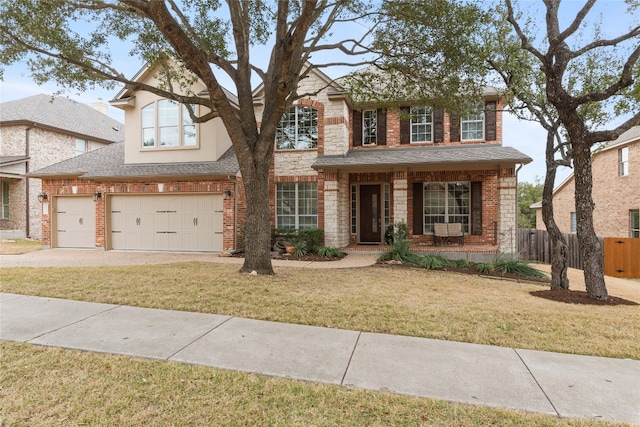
(527, 137)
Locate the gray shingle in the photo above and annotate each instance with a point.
(466, 154)
(63, 114)
(108, 164)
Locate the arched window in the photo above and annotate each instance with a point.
(298, 129)
(174, 128)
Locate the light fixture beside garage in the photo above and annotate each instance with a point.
(96, 196)
(42, 196)
(227, 194)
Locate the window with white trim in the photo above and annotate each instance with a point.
(82, 146)
(297, 205)
(167, 124)
(421, 124)
(447, 202)
(298, 129)
(369, 127)
(472, 125)
(634, 222)
(623, 159)
(5, 200)
(574, 222)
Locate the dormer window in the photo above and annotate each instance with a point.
(298, 129)
(167, 124)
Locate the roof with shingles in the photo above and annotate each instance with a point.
(465, 154)
(108, 163)
(62, 114)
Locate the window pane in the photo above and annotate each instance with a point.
(421, 124)
(148, 118)
(623, 154)
(298, 129)
(447, 202)
(168, 123)
(369, 127)
(472, 126)
(5, 200)
(297, 205)
(634, 216)
(188, 129)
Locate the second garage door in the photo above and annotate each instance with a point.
(75, 225)
(191, 222)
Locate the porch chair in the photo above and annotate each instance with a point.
(454, 231)
(440, 233)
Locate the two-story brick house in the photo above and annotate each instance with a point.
(348, 170)
(616, 180)
(38, 131)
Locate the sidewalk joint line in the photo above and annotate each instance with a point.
(200, 337)
(537, 383)
(350, 358)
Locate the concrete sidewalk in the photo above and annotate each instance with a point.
(534, 381)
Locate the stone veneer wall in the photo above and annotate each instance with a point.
(46, 147)
(508, 213)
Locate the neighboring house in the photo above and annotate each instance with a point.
(36, 132)
(616, 194)
(351, 171)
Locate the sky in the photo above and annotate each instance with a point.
(527, 137)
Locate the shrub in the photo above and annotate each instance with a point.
(460, 263)
(330, 252)
(400, 249)
(312, 237)
(300, 249)
(485, 268)
(434, 262)
(519, 267)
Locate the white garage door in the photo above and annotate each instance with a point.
(75, 224)
(191, 222)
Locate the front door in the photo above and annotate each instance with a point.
(370, 219)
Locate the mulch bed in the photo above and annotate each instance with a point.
(579, 297)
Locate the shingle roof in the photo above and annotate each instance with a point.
(108, 163)
(63, 114)
(7, 160)
(467, 154)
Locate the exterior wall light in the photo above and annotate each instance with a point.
(42, 196)
(96, 196)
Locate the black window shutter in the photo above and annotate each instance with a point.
(357, 128)
(405, 125)
(382, 127)
(490, 121)
(476, 208)
(438, 122)
(418, 214)
(454, 130)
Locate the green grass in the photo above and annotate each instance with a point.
(19, 246)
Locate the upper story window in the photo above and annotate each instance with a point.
(298, 129)
(82, 146)
(166, 123)
(472, 126)
(369, 127)
(623, 159)
(421, 124)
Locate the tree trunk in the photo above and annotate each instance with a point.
(590, 247)
(258, 225)
(559, 247)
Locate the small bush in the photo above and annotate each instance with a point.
(330, 252)
(485, 268)
(400, 249)
(434, 262)
(519, 267)
(300, 249)
(460, 263)
(312, 237)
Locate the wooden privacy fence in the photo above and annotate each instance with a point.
(621, 255)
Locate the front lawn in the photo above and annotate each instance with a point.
(384, 299)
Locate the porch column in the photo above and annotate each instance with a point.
(336, 209)
(400, 210)
(507, 215)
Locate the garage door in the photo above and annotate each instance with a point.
(75, 222)
(189, 223)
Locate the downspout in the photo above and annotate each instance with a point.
(26, 184)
